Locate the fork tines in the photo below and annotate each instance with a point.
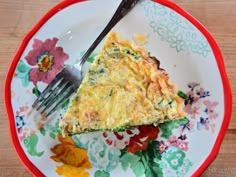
(54, 95)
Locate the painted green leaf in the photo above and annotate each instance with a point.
(143, 161)
(52, 135)
(30, 144)
(22, 68)
(157, 170)
(167, 127)
(152, 158)
(100, 173)
(78, 143)
(42, 131)
(138, 168)
(25, 80)
(128, 159)
(183, 121)
(53, 128)
(133, 161)
(148, 161)
(152, 151)
(154, 172)
(91, 57)
(124, 163)
(22, 72)
(36, 91)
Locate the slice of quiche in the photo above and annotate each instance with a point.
(123, 88)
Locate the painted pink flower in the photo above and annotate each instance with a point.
(191, 110)
(21, 137)
(192, 85)
(24, 108)
(212, 126)
(194, 112)
(210, 109)
(24, 133)
(162, 147)
(202, 93)
(189, 103)
(178, 143)
(188, 108)
(47, 60)
(173, 141)
(192, 98)
(183, 145)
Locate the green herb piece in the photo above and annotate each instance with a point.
(110, 94)
(182, 95)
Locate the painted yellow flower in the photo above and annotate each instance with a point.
(75, 160)
(71, 171)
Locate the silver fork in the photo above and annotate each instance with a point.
(69, 79)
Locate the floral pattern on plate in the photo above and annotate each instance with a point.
(180, 34)
(42, 62)
(146, 150)
(143, 154)
(166, 150)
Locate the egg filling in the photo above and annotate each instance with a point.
(123, 88)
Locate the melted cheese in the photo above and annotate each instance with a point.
(124, 87)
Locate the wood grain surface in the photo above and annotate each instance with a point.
(17, 17)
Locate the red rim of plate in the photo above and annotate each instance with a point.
(219, 59)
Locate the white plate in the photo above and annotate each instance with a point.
(186, 50)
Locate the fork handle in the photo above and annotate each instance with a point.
(124, 7)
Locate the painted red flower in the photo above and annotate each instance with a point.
(47, 60)
(119, 140)
(139, 141)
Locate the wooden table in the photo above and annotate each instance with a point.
(18, 16)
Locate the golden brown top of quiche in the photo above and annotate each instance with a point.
(124, 87)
